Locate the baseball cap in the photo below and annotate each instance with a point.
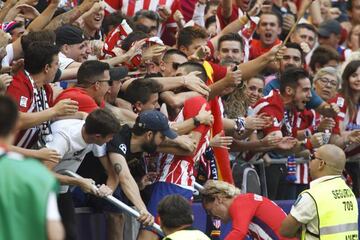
(155, 121)
(118, 73)
(69, 34)
(328, 27)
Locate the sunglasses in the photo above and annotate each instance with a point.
(110, 82)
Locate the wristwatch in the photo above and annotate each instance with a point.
(196, 122)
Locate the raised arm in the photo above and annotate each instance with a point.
(44, 18)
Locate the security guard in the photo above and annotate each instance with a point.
(328, 210)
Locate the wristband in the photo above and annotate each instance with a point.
(307, 133)
(240, 125)
(196, 121)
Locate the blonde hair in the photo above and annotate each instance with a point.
(214, 188)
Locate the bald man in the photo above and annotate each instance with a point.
(329, 208)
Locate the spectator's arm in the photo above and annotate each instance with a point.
(166, 146)
(71, 16)
(126, 180)
(5, 10)
(199, 12)
(177, 100)
(123, 115)
(69, 73)
(253, 67)
(44, 18)
(55, 230)
(315, 13)
(226, 8)
(112, 180)
(62, 108)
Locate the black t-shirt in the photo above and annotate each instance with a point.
(121, 144)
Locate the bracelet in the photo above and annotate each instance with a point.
(240, 125)
(307, 133)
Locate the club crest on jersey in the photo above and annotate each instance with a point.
(123, 148)
(216, 223)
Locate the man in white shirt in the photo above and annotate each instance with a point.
(73, 139)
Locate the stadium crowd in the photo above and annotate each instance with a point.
(146, 98)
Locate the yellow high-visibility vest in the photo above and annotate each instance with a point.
(187, 235)
(337, 210)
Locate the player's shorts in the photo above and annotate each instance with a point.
(161, 190)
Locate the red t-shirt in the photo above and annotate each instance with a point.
(22, 92)
(256, 216)
(256, 48)
(86, 102)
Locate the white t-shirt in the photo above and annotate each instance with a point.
(70, 144)
(64, 61)
(6, 61)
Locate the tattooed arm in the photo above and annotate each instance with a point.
(70, 16)
(44, 18)
(127, 182)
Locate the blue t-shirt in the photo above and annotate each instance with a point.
(315, 100)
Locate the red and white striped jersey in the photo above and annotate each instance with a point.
(306, 119)
(21, 90)
(130, 7)
(177, 169)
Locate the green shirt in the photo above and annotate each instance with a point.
(25, 185)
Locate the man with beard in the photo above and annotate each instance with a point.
(294, 57)
(126, 148)
(282, 106)
(230, 49)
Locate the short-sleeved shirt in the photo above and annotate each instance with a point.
(64, 61)
(121, 144)
(21, 91)
(315, 100)
(256, 216)
(177, 169)
(304, 210)
(85, 101)
(71, 146)
(343, 117)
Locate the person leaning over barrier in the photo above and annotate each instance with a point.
(176, 218)
(252, 215)
(328, 210)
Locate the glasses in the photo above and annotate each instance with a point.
(110, 82)
(313, 157)
(325, 81)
